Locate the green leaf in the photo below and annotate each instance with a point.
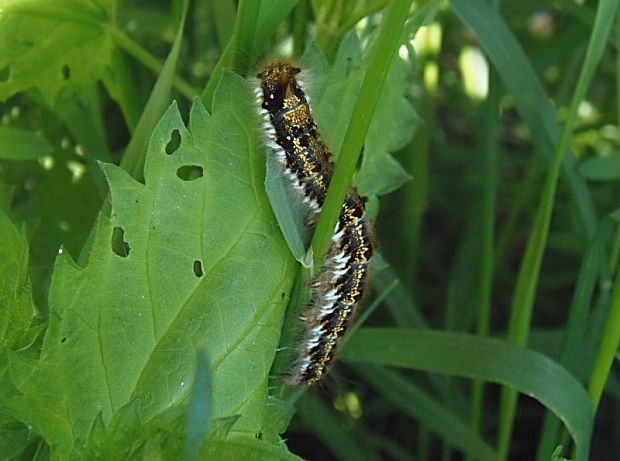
(18, 144)
(16, 312)
(393, 126)
(601, 168)
(247, 449)
(71, 36)
(557, 454)
(393, 123)
(457, 354)
(16, 306)
(290, 211)
(185, 260)
(59, 212)
(14, 438)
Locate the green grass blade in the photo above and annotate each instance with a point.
(133, 158)
(489, 149)
(243, 37)
(148, 60)
(610, 341)
(301, 17)
(330, 429)
(593, 262)
(411, 400)
(255, 23)
(517, 73)
(527, 280)
(223, 13)
(457, 354)
(399, 302)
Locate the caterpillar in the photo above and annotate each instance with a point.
(307, 163)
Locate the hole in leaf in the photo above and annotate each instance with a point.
(119, 245)
(66, 72)
(174, 143)
(63, 340)
(189, 172)
(198, 268)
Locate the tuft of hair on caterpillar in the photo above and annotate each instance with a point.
(307, 163)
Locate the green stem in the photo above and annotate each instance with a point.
(222, 64)
(414, 193)
(300, 24)
(385, 48)
(356, 17)
(608, 346)
(149, 61)
(223, 20)
(487, 237)
(593, 263)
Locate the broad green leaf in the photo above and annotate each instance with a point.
(16, 312)
(191, 258)
(49, 44)
(463, 355)
(18, 144)
(601, 168)
(247, 449)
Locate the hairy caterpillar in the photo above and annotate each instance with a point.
(307, 162)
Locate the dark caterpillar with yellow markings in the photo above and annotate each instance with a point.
(308, 164)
